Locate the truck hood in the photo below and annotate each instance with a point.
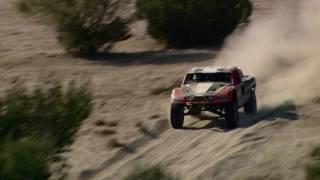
(201, 89)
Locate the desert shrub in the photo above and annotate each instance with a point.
(183, 23)
(24, 159)
(38, 123)
(312, 169)
(83, 26)
(24, 6)
(52, 112)
(156, 172)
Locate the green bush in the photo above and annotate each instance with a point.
(24, 159)
(83, 26)
(149, 173)
(38, 123)
(312, 169)
(51, 112)
(183, 23)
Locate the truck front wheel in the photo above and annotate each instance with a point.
(232, 115)
(177, 115)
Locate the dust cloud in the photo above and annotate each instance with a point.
(283, 51)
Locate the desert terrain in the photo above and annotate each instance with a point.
(132, 84)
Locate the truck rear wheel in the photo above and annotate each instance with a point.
(250, 107)
(232, 115)
(177, 115)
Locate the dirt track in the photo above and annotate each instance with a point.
(133, 89)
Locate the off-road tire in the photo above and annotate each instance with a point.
(232, 115)
(176, 115)
(250, 107)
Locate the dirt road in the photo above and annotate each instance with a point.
(131, 91)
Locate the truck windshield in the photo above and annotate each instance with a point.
(208, 77)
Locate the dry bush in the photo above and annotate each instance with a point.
(37, 124)
(83, 26)
(312, 169)
(193, 22)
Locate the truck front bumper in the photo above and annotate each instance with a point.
(202, 100)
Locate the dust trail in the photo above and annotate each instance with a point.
(283, 51)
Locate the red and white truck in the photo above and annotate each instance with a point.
(215, 89)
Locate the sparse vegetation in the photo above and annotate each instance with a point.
(24, 6)
(100, 123)
(315, 154)
(24, 159)
(29, 6)
(115, 143)
(150, 173)
(312, 170)
(107, 132)
(37, 124)
(83, 26)
(112, 123)
(193, 22)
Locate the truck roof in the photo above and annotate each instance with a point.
(212, 69)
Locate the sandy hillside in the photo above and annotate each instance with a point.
(131, 89)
